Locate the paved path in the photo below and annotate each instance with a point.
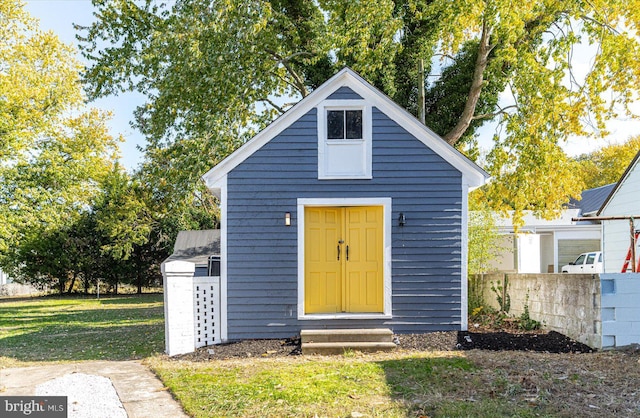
(142, 394)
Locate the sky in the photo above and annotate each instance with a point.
(60, 15)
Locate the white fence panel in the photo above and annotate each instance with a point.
(206, 300)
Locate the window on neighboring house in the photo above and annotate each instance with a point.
(344, 140)
(344, 124)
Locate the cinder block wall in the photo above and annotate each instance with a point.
(566, 303)
(620, 309)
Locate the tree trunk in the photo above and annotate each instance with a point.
(73, 282)
(476, 88)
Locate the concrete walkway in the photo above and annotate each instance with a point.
(142, 394)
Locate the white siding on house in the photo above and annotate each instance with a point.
(4, 279)
(615, 245)
(617, 234)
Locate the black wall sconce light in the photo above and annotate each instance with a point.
(401, 219)
(287, 218)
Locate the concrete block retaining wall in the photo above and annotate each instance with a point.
(566, 303)
(602, 311)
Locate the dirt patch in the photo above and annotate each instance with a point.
(245, 349)
(593, 385)
(551, 342)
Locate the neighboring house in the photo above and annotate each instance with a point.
(622, 203)
(201, 248)
(10, 288)
(4, 279)
(544, 246)
(344, 212)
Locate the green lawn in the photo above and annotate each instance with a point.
(433, 384)
(76, 328)
(399, 384)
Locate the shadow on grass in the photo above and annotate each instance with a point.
(86, 343)
(446, 387)
(75, 329)
(105, 298)
(44, 318)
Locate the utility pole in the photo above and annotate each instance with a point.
(421, 115)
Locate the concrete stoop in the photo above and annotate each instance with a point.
(339, 341)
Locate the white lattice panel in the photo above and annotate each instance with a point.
(206, 300)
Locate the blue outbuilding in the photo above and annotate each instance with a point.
(345, 212)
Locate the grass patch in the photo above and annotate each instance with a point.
(76, 328)
(400, 385)
(279, 387)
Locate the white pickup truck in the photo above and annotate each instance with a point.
(586, 263)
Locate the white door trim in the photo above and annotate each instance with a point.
(386, 204)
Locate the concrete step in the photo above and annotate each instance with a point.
(343, 347)
(338, 341)
(346, 335)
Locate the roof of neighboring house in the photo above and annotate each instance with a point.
(196, 246)
(619, 183)
(473, 175)
(592, 200)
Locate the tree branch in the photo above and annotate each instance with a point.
(601, 24)
(476, 87)
(278, 108)
(494, 114)
(298, 82)
(452, 58)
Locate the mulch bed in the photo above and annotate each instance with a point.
(551, 342)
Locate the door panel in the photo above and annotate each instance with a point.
(344, 259)
(364, 269)
(323, 271)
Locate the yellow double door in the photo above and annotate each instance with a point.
(344, 259)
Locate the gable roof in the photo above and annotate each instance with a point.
(619, 183)
(472, 173)
(592, 200)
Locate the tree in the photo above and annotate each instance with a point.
(53, 151)
(606, 165)
(121, 215)
(217, 71)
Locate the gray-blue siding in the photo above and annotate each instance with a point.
(262, 264)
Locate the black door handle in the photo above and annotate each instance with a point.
(338, 253)
(347, 253)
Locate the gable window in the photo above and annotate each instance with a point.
(344, 124)
(344, 140)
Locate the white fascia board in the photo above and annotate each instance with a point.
(473, 175)
(612, 195)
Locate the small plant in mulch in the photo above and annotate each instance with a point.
(525, 321)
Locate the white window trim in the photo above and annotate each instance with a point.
(324, 143)
(386, 204)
